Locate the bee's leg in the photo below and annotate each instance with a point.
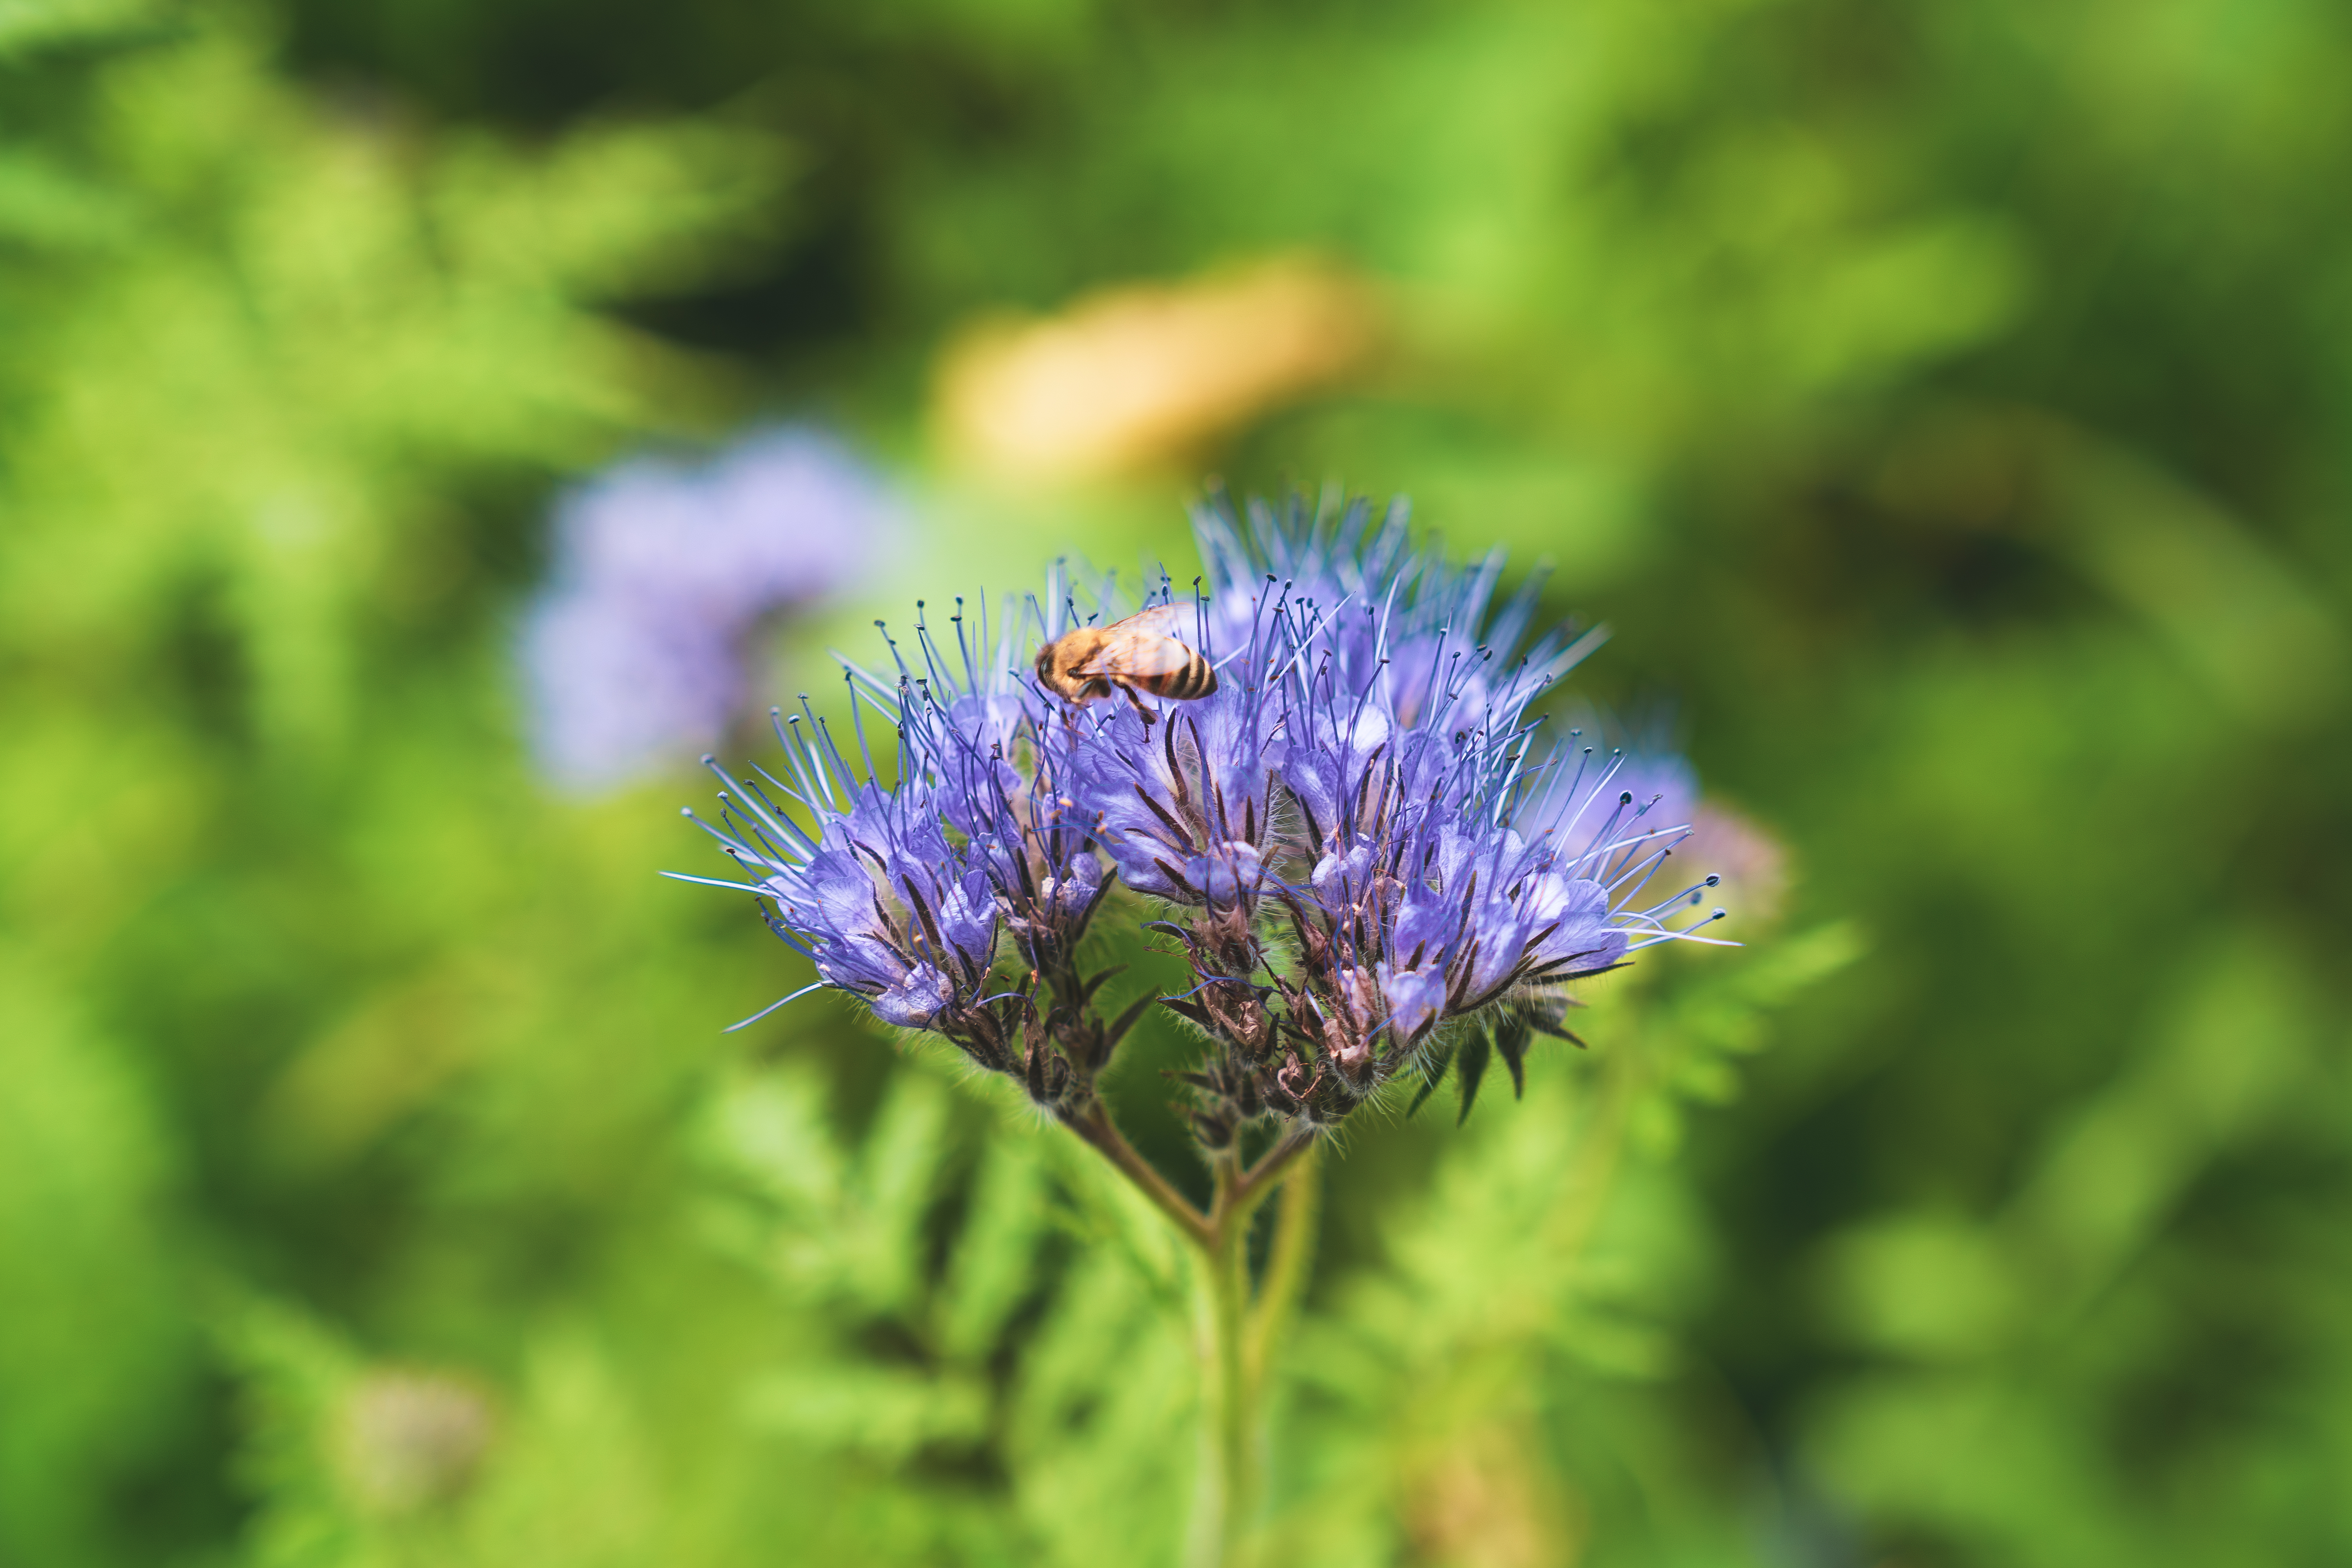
(1145, 713)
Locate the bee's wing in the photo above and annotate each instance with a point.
(1180, 621)
(1138, 656)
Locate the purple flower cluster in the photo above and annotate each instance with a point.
(634, 654)
(1366, 856)
(874, 892)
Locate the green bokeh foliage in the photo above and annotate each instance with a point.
(1946, 403)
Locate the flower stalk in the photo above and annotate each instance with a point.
(1352, 836)
(1241, 1330)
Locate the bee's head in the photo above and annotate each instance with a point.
(1055, 661)
(1059, 660)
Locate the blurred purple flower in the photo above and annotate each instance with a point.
(634, 652)
(1650, 796)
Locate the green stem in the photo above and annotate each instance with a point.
(1094, 1124)
(1253, 1186)
(1225, 1501)
(1237, 1339)
(1288, 1262)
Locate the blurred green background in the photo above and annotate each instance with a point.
(1950, 403)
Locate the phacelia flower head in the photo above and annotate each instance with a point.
(967, 708)
(1491, 901)
(867, 884)
(1179, 795)
(1359, 837)
(1382, 624)
(634, 652)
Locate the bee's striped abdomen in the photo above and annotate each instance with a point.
(1195, 678)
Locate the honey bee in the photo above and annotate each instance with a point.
(1141, 653)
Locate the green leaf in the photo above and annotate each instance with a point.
(1475, 1052)
(1511, 1036)
(1433, 1063)
(992, 1269)
(899, 1177)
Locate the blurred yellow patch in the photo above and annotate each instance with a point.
(1146, 373)
(406, 1440)
(1486, 1500)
